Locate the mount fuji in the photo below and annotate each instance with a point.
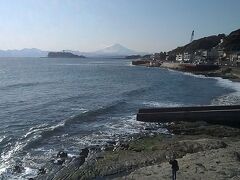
(115, 50)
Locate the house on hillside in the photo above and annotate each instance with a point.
(179, 57)
(203, 56)
(184, 57)
(234, 58)
(187, 57)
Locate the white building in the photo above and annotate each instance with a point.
(179, 57)
(187, 57)
(234, 58)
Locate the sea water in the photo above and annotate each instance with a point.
(47, 105)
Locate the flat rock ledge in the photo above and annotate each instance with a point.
(222, 163)
(203, 151)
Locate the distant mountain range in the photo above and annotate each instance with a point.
(115, 50)
(31, 52)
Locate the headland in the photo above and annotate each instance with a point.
(212, 56)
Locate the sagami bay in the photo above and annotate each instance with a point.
(55, 104)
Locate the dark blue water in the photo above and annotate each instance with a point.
(52, 104)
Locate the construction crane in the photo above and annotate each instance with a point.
(192, 36)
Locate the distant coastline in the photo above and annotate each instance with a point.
(231, 73)
(212, 56)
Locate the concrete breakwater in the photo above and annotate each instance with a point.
(225, 115)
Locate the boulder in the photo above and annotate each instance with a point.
(18, 169)
(84, 152)
(59, 161)
(62, 154)
(42, 171)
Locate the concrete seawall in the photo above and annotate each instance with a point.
(224, 115)
(172, 66)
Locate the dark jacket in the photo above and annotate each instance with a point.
(174, 164)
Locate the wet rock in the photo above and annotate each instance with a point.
(94, 148)
(62, 154)
(42, 171)
(71, 167)
(111, 142)
(124, 146)
(81, 160)
(84, 152)
(151, 128)
(18, 169)
(98, 157)
(237, 156)
(59, 161)
(107, 148)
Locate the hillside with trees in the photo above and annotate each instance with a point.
(230, 43)
(205, 43)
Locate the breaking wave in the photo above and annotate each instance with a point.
(38, 133)
(231, 98)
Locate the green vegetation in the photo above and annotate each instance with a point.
(230, 43)
(146, 144)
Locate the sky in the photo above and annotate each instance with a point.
(89, 25)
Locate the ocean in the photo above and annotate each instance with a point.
(47, 105)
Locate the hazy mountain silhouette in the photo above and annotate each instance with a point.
(26, 52)
(115, 50)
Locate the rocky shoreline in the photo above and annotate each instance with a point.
(203, 151)
(231, 73)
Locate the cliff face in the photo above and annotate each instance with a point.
(63, 55)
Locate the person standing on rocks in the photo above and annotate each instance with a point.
(175, 168)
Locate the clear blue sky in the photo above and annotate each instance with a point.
(88, 25)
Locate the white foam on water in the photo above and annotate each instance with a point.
(227, 99)
(69, 64)
(2, 138)
(117, 128)
(161, 104)
(230, 84)
(82, 110)
(231, 98)
(191, 74)
(26, 174)
(7, 157)
(197, 75)
(35, 129)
